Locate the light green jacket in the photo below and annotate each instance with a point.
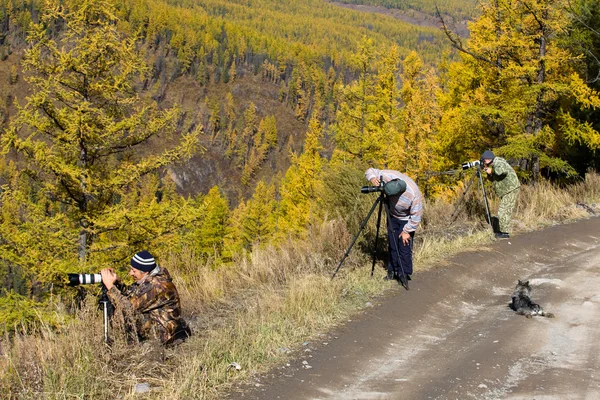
(504, 177)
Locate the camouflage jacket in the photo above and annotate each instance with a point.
(504, 177)
(153, 304)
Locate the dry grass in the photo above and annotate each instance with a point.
(544, 204)
(250, 313)
(538, 206)
(254, 311)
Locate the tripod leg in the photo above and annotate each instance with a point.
(485, 201)
(454, 214)
(105, 317)
(376, 237)
(362, 226)
(394, 237)
(107, 312)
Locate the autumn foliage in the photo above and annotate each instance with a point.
(88, 161)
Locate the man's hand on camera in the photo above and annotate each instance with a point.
(405, 236)
(109, 277)
(375, 181)
(488, 170)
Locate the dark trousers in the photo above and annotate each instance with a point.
(394, 230)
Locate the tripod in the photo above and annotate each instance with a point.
(383, 202)
(488, 216)
(107, 310)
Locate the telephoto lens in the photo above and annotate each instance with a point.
(371, 189)
(84, 279)
(470, 164)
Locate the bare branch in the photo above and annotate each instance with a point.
(578, 18)
(597, 78)
(457, 42)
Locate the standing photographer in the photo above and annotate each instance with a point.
(506, 184)
(406, 210)
(151, 303)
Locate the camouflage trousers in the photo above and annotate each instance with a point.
(505, 211)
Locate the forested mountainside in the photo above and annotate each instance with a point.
(225, 59)
(217, 127)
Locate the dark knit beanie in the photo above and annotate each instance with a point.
(488, 155)
(143, 261)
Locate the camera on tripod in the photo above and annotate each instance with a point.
(103, 303)
(84, 279)
(471, 164)
(395, 187)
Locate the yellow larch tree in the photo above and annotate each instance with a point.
(420, 116)
(517, 86)
(80, 136)
(302, 187)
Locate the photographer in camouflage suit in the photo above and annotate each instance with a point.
(150, 305)
(506, 184)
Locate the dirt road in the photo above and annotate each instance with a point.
(452, 335)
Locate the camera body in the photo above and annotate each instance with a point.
(84, 279)
(471, 164)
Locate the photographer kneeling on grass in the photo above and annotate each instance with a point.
(506, 185)
(406, 210)
(151, 304)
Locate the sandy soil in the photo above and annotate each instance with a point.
(452, 335)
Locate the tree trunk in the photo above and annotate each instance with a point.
(83, 203)
(537, 120)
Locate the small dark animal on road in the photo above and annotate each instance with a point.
(522, 304)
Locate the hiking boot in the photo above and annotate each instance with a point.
(390, 276)
(502, 235)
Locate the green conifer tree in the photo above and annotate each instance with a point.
(234, 243)
(215, 217)
(258, 225)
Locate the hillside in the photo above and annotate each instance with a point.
(456, 9)
(282, 104)
(195, 47)
(230, 139)
(414, 16)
